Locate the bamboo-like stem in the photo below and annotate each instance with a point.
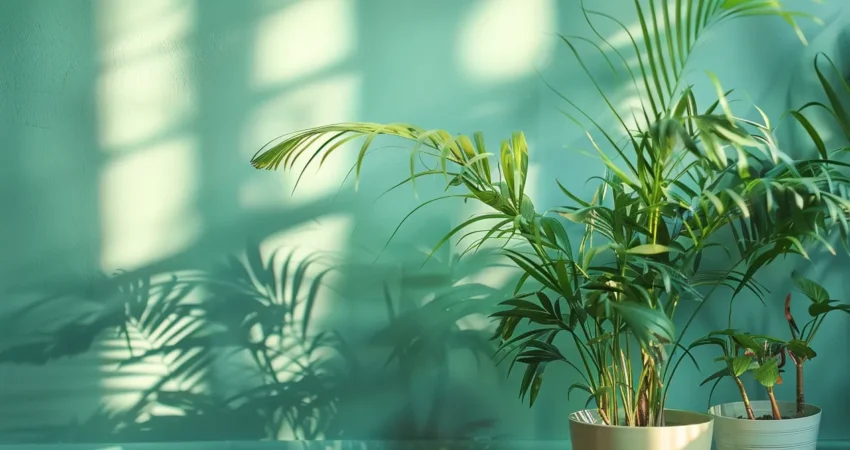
(746, 399)
(773, 405)
(643, 392)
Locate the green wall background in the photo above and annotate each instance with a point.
(127, 129)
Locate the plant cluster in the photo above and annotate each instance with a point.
(679, 181)
(764, 356)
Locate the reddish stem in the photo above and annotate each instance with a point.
(773, 405)
(801, 398)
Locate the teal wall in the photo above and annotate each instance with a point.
(127, 129)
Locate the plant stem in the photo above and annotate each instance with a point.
(648, 391)
(746, 399)
(801, 399)
(773, 405)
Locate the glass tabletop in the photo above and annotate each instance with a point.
(337, 445)
(309, 445)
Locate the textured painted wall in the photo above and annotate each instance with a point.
(127, 129)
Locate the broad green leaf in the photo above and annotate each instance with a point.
(746, 341)
(801, 349)
(817, 309)
(767, 374)
(814, 291)
(741, 364)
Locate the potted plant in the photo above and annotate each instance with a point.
(770, 423)
(667, 192)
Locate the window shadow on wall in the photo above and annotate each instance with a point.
(148, 294)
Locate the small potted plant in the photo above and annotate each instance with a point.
(770, 424)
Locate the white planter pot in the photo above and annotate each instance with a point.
(684, 431)
(732, 433)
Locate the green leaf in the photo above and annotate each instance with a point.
(527, 378)
(581, 386)
(837, 110)
(812, 132)
(801, 349)
(508, 326)
(534, 269)
(557, 234)
(527, 209)
(816, 309)
(523, 304)
(535, 387)
(599, 339)
(741, 364)
(509, 170)
(547, 304)
(726, 332)
(746, 341)
(648, 249)
(814, 291)
(709, 341)
(647, 324)
(540, 317)
(767, 374)
(724, 372)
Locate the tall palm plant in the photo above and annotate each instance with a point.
(677, 175)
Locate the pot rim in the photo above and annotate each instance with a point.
(707, 419)
(816, 409)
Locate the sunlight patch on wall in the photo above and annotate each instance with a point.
(145, 98)
(631, 110)
(301, 40)
(144, 88)
(136, 26)
(503, 40)
(145, 197)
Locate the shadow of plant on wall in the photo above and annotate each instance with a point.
(242, 356)
(251, 315)
(426, 335)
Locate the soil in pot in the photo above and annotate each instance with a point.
(769, 417)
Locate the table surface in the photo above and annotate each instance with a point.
(338, 445)
(311, 445)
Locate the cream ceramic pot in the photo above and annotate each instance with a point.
(684, 431)
(732, 433)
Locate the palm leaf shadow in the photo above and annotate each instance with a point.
(249, 312)
(421, 335)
